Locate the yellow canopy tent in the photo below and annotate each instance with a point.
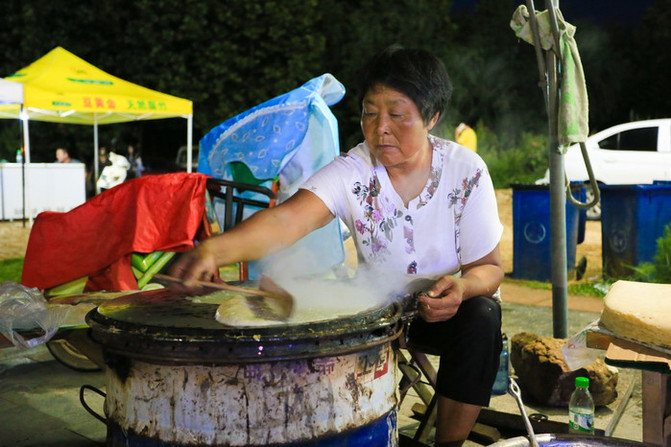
(63, 88)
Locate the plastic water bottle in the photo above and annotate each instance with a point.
(581, 408)
(19, 156)
(501, 382)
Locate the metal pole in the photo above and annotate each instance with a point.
(189, 148)
(23, 190)
(26, 159)
(23, 175)
(557, 202)
(96, 163)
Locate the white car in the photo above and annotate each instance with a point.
(633, 153)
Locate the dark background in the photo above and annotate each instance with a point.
(228, 56)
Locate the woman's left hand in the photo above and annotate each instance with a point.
(441, 302)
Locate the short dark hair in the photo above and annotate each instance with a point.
(416, 73)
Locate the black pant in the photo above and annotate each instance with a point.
(469, 345)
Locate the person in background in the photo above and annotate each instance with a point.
(136, 166)
(103, 159)
(63, 156)
(419, 208)
(466, 136)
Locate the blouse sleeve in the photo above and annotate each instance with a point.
(327, 185)
(479, 229)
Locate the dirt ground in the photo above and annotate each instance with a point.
(14, 236)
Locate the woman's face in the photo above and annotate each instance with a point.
(393, 127)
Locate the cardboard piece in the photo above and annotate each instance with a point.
(628, 353)
(633, 355)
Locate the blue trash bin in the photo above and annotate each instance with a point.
(633, 217)
(532, 247)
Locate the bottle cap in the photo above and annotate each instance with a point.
(582, 382)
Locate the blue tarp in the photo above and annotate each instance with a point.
(288, 137)
(267, 136)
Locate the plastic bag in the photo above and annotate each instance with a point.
(25, 309)
(576, 353)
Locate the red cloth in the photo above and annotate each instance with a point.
(146, 214)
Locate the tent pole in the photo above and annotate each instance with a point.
(96, 166)
(26, 160)
(189, 137)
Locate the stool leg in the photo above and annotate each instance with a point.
(413, 370)
(423, 432)
(429, 420)
(425, 366)
(410, 376)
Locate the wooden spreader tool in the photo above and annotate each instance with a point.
(267, 289)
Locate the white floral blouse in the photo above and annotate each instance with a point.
(454, 221)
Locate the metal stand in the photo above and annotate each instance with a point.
(550, 69)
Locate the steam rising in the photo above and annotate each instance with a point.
(331, 296)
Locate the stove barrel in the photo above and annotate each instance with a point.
(175, 377)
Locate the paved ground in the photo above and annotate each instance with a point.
(40, 407)
(538, 319)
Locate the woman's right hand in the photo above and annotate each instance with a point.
(197, 264)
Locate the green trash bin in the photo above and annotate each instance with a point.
(532, 247)
(633, 217)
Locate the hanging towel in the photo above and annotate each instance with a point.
(573, 113)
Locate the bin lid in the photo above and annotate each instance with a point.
(658, 185)
(529, 186)
(542, 186)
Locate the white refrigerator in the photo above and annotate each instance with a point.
(48, 187)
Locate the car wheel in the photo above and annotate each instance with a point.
(593, 213)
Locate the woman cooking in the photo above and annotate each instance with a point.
(417, 206)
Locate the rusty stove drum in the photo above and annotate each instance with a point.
(177, 377)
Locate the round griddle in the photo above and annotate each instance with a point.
(166, 325)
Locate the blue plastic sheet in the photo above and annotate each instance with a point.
(267, 136)
(288, 137)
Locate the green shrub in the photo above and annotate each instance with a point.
(659, 270)
(510, 156)
(513, 160)
(597, 289)
(10, 269)
(10, 140)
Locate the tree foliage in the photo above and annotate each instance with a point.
(230, 56)
(356, 29)
(224, 56)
